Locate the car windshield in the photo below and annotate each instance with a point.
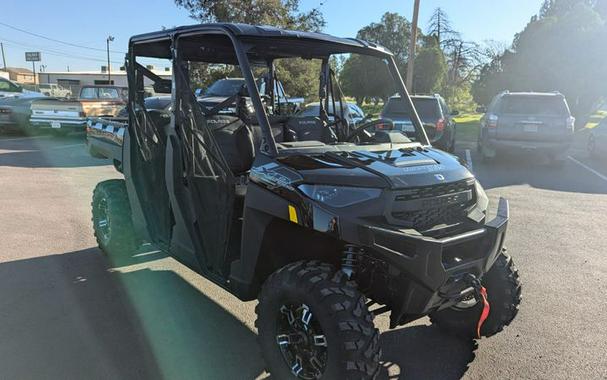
(534, 105)
(427, 109)
(100, 93)
(224, 87)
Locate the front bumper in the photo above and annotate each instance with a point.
(436, 267)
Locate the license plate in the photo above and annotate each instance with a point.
(406, 127)
(55, 124)
(531, 128)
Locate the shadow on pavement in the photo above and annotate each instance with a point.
(536, 171)
(71, 316)
(67, 316)
(47, 152)
(424, 352)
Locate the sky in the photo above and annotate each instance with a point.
(87, 24)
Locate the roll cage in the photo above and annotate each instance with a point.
(247, 45)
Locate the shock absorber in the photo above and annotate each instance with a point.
(350, 259)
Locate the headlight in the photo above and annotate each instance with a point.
(339, 196)
(481, 198)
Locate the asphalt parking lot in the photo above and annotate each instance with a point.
(69, 312)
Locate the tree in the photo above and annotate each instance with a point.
(439, 27)
(280, 13)
(430, 70)
(368, 77)
(392, 32)
(561, 49)
(296, 74)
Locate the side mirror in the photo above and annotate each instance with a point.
(481, 109)
(199, 92)
(163, 87)
(454, 113)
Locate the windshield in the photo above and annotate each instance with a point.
(100, 93)
(428, 109)
(224, 87)
(534, 105)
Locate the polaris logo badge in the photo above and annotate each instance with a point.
(439, 177)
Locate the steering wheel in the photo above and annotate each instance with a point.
(361, 132)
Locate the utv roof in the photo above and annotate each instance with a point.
(271, 42)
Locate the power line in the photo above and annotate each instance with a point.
(54, 52)
(58, 41)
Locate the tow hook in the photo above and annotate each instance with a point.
(481, 294)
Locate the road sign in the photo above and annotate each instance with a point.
(32, 56)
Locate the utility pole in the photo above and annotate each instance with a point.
(3, 58)
(412, 44)
(109, 68)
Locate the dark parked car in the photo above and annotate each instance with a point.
(597, 140)
(15, 111)
(434, 113)
(222, 89)
(353, 113)
(527, 121)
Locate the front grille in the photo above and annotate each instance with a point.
(435, 190)
(425, 207)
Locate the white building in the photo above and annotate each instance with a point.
(74, 80)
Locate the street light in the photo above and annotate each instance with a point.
(109, 68)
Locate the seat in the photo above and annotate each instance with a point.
(311, 128)
(235, 141)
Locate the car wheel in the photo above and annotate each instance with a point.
(313, 323)
(504, 296)
(112, 223)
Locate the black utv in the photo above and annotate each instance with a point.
(327, 224)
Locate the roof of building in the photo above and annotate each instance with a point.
(18, 70)
(97, 72)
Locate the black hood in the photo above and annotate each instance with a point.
(395, 169)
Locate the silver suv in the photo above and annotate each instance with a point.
(527, 121)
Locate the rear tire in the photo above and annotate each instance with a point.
(112, 221)
(504, 296)
(338, 310)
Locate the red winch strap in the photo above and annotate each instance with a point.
(485, 313)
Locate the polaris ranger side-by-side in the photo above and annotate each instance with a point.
(316, 218)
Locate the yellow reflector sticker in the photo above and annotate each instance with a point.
(293, 214)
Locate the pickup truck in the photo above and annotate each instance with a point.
(65, 116)
(102, 101)
(60, 115)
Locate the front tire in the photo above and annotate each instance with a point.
(313, 323)
(504, 296)
(112, 222)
